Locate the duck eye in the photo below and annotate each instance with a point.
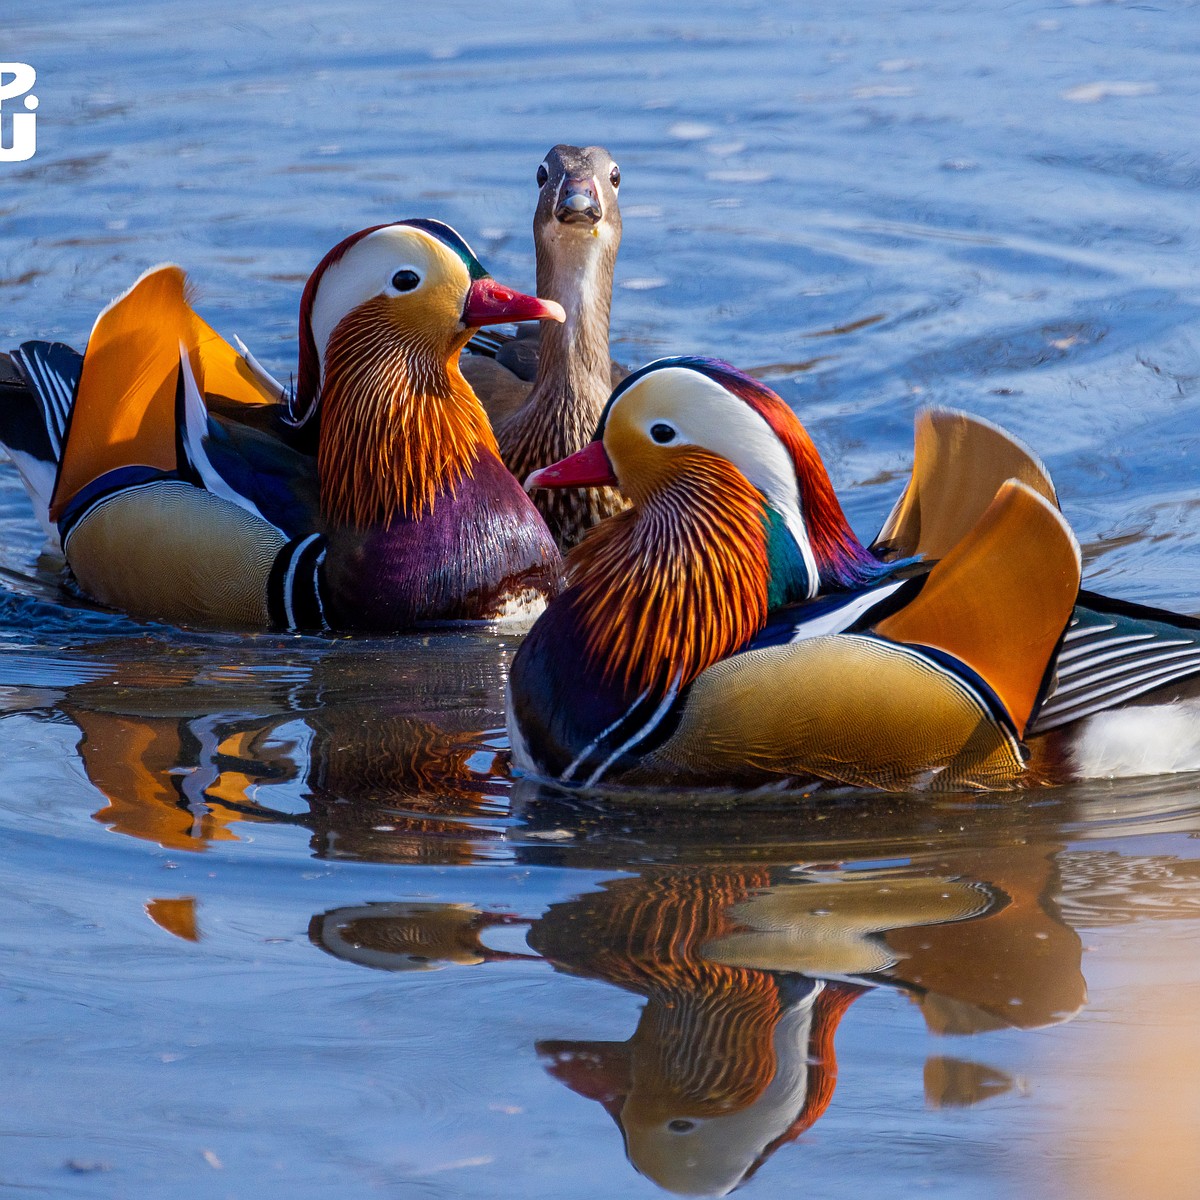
(542, 175)
(681, 1126)
(614, 177)
(662, 433)
(405, 281)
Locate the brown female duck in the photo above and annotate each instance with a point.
(544, 395)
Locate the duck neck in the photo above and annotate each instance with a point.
(843, 562)
(663, 591)
(574, 368)
(400, 426)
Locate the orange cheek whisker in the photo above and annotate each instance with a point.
(679, 582)
(399, 425)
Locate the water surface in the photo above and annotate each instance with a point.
(275, 918)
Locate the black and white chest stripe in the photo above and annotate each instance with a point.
(294, 599)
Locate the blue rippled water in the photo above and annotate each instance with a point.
(274, 919)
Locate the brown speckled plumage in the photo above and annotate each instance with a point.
(575, 262)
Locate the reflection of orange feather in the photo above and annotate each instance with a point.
(1018, 966)
(399, 423)
(137, 762)
(124, 413)
(177, 916)
(132, 761)
(706, 1039)
(663, 593)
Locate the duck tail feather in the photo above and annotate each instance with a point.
(51, 372)
(959, 462)
(1000, 600)
(37, 389)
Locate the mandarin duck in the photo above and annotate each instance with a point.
(726, 1064)
(161, 461)
(545, 393)
(746, 972)
(731, 629)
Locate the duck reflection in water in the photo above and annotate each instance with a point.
(174, 764)
(746, 974)
(400, 790)
(187, 748)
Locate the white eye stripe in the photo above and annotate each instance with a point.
(366, 270)
(704, 414)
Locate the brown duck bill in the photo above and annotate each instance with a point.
(578, 204)
(589, 467)
(491, 303)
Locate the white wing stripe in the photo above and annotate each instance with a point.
(1127, 654)
(646, 730)
(844, 616)
(289, 580)
(195, 431)
(260, 372)
(53, 395)
(1075, 633)
(1063, 709)
(582, 755)
(1092, 647)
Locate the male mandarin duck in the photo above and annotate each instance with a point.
(160, 461)
(731, 629)
(545, 394)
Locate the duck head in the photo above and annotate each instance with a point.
(577, 191)
(382, 320)
(679, 420)
(733, 514)
(706, 1136)
(577, 231)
